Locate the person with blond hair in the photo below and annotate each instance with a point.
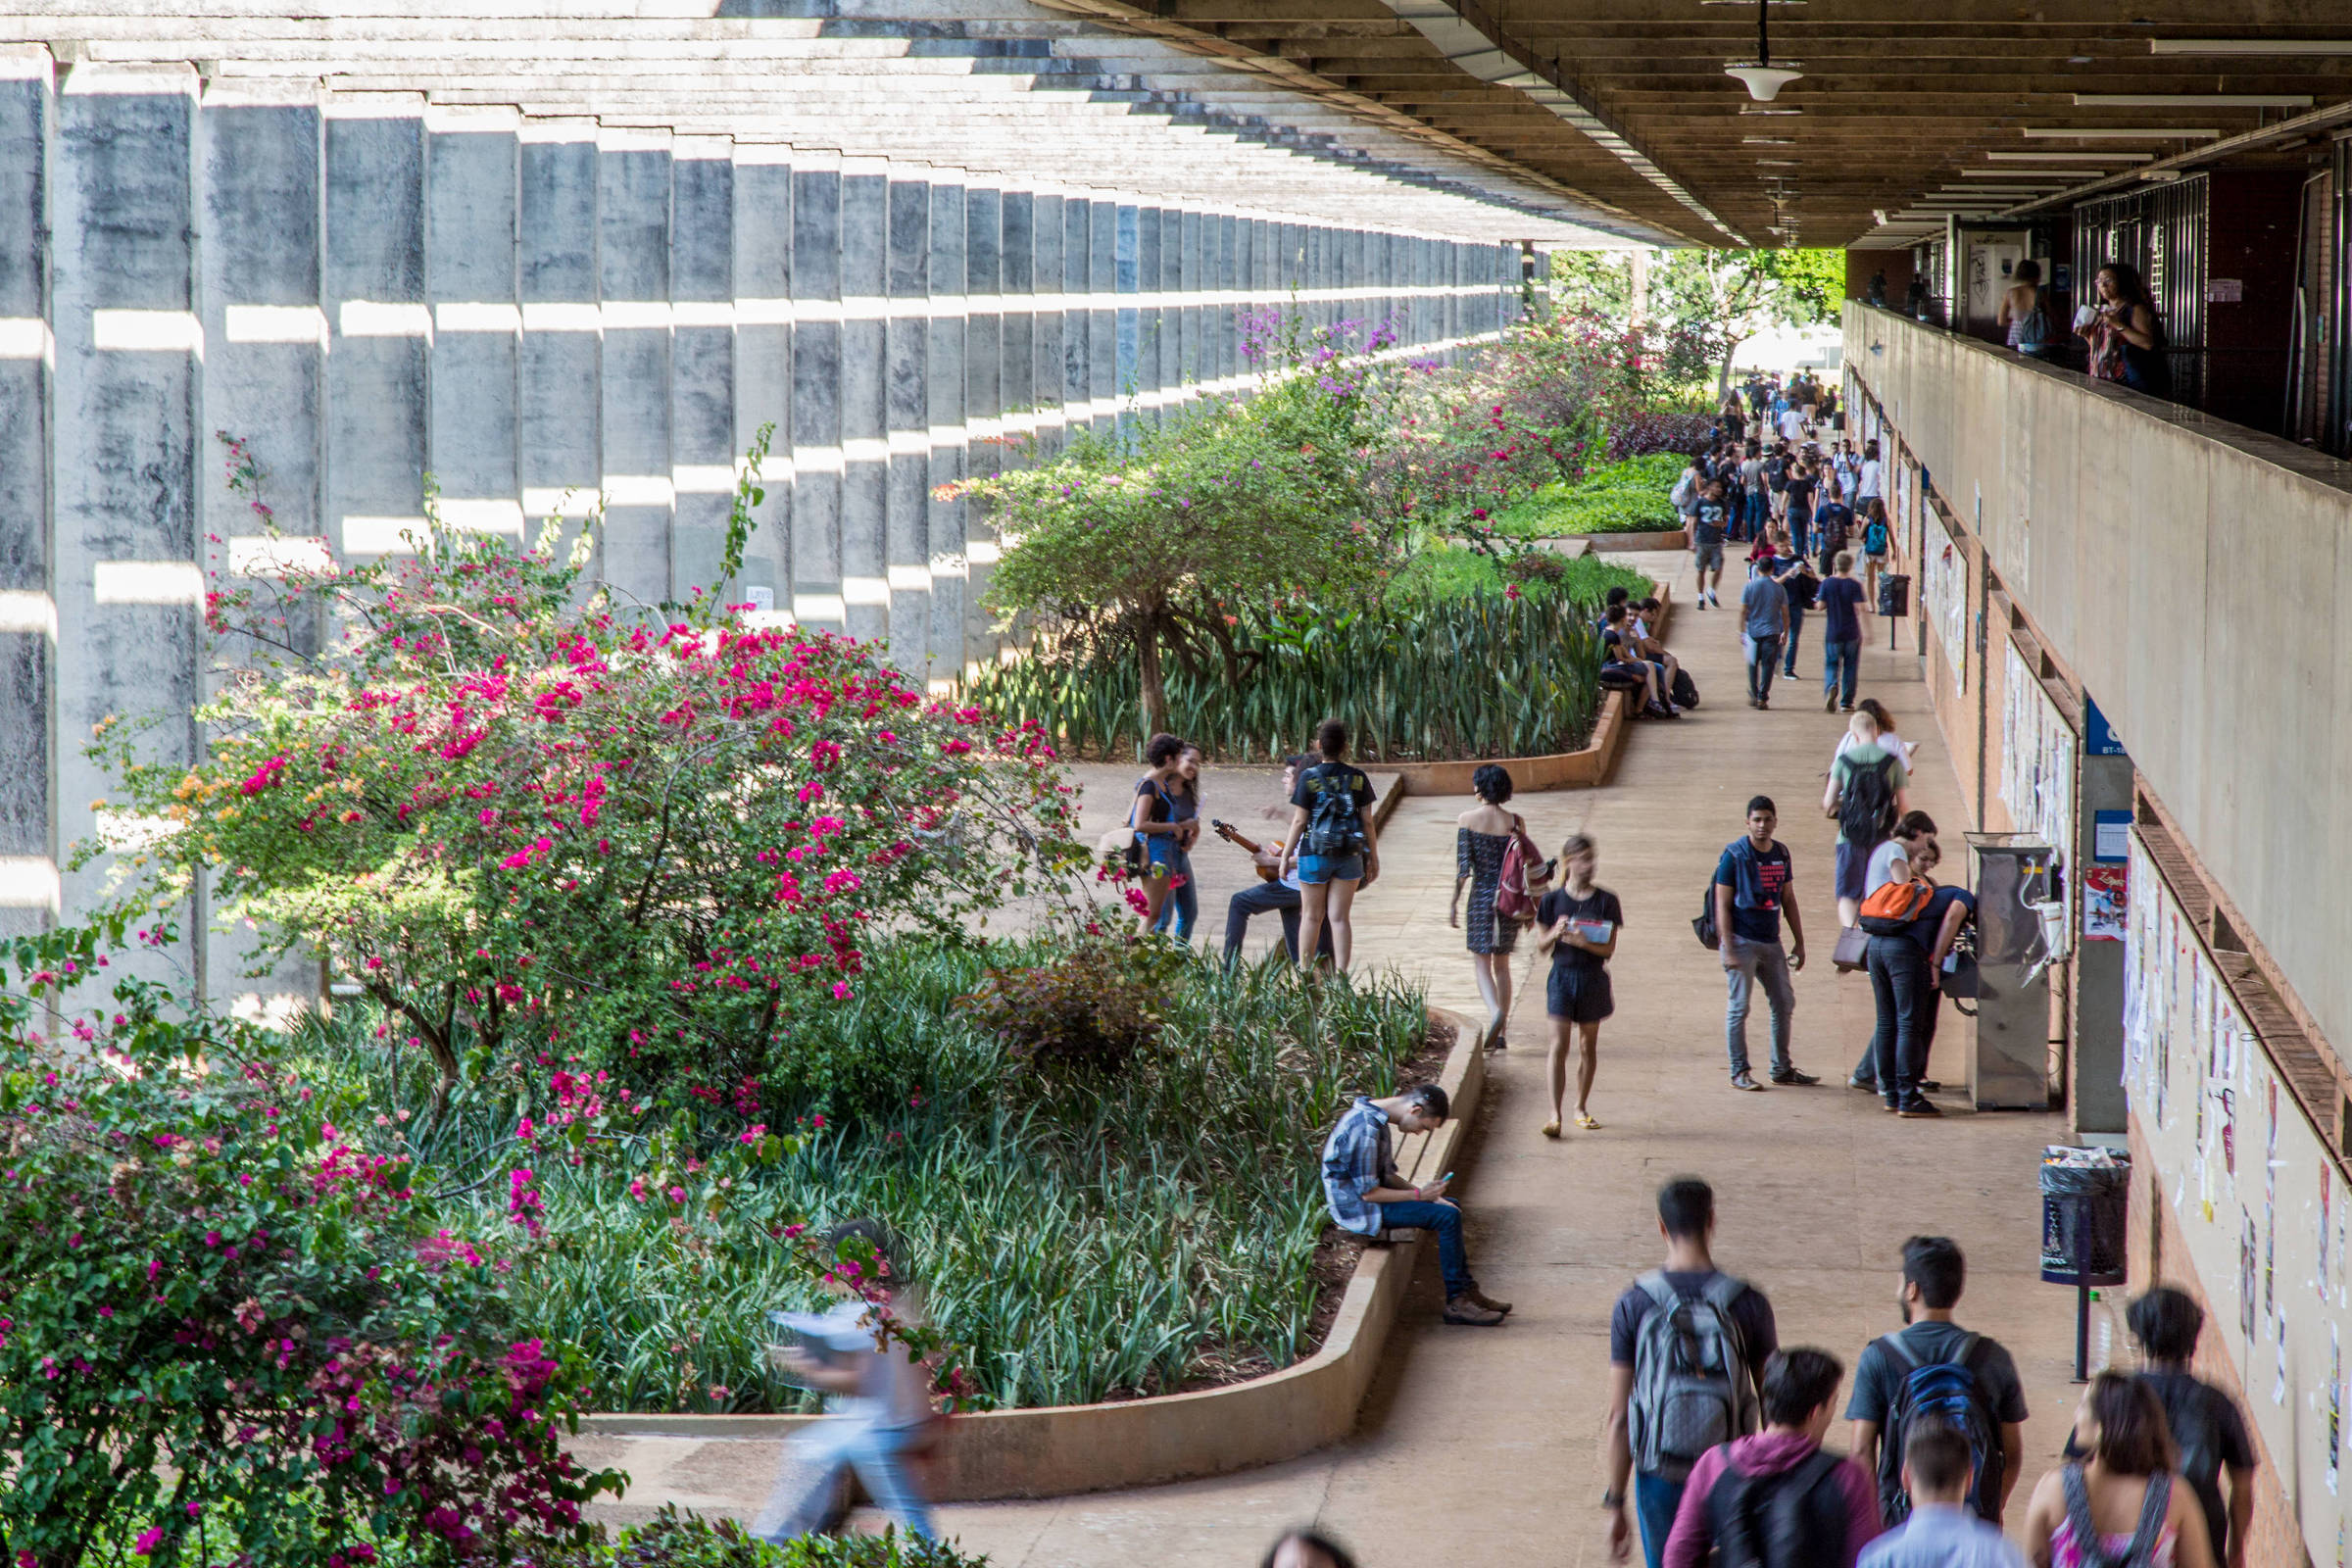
(1579, 922)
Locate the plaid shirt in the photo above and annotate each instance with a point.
(1356, 1159)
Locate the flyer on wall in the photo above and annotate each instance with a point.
(2105, 896)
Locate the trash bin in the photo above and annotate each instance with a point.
(2084, 1198)
(1894, 594)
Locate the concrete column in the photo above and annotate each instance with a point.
(947, 439)
(124, 457)
(632, 236)
(1050, 334)
(864, 395)
(558, 455)
(1077, 321)
(906, 413)
(28, 858)
(988, 352)
(1197, 279)
(380, 325)
(1126, 265)
(816, 600)
(1163, 274)
(257, 171)
(703, 442)
(1020, 353)
(471, 186)
(1157, 389)
(1102, 339)
(764, 254)
(1225, 331)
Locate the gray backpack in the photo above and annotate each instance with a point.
(1692, 1386)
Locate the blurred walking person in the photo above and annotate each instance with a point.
(1493, 858)
(1334, 843)
(1579, 923)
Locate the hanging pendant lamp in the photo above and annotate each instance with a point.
(1763, 79)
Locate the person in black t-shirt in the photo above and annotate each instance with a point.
(2205, 1422)
(1579, 922)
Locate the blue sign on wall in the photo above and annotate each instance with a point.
(2098, 736)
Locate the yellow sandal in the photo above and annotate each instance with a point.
(1586, 1120)
(1552, 1129)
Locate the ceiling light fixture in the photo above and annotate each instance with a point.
(2250, 46)
(1759, 109)
(2118, 134)
(1768, 141)
(2193, 100)
(2085, 157)
(1763, 79)
(2042, 177)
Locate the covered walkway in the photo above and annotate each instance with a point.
(1484, 1446)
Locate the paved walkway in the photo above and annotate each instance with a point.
(1481, 1446)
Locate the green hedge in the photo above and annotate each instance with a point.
(1446, 670)
(1629, 497)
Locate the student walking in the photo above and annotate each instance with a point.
(1334, 843)
(1755, 884)
(2209, 1435)
(1689, 1336)
(1152, 815)
(1934, 1368)
(1840, 601)
(1710, 526)
(1868, 789)
(1368, 1197)
(1764, 608)
(1182, 910)
(1877, 538)
(1796, 580)
(1778, 1499)
(1275, 893)
(1495, 859)
(2122, 1506)
(1579, 923)
(1942, 1532)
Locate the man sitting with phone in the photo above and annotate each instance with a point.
(1366, 1196)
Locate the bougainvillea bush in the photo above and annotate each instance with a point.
(538, 826)
(231, 1327)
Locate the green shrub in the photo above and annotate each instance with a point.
(1455, 572)
(675, 1539)
(1075, 1239)
(1084, 1011)
(1634, 496)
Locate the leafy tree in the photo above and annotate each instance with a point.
(1724, 298)
(526, 821)
(1153, 538)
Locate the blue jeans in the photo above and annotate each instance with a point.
(1841, 669)
(1258, 900)
(1447, 1221)
(1656, 1501)
(1898, 1050)
(1183, 907)
(1797, 632)
(1759, 508)
(1800, 530)
(1753, 961)
(806, 1494)
(1764, 656)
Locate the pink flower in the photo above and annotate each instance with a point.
(148, 1541)
(841, 991)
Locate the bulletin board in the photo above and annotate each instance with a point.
(2259, 1200)
(1943, 591)
(2037, 758)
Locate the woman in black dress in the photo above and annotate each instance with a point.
(1483, 840)
(1580, 924)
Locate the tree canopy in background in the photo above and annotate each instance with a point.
(1719, 299)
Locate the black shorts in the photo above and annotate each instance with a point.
(1852, 868)
(1579, 994)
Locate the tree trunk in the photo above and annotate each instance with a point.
(1723, 377)
(1155, 680)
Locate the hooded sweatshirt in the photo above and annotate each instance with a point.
(1768, 1454)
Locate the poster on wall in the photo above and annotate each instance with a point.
(2245, 1279)
(1944, 592)
(2105, 903)
(2037, 758)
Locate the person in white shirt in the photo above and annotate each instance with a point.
(878, 1394)
(1873, 481)
(1792, 425)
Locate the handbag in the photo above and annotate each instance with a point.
(1853, 949)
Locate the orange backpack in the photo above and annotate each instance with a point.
(1890, 911)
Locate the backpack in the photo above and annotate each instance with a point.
(1520, 857)
(1793, 1519)
(2147, 1534)
(1890, 911)
(1334, 826)
(1686, 690)
(1692, 1386)
(1874, 538)
(1686, 492)
(1945, 1390)
(1866, 803)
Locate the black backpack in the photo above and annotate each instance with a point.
(1941, 1391)
(1686, 690)
(1866, 803)
(1334, 826)
(1794, 1519)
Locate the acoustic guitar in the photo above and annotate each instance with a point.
(1226, 831)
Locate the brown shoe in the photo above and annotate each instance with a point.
(1486, 1301)
(1466, 1309)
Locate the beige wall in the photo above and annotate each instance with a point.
(2195, 576)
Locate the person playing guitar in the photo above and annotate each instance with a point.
(1273, 892)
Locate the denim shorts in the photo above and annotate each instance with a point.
(1317, 870)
